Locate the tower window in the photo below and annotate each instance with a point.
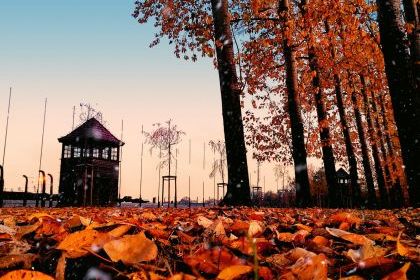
(114, 154)
(105, 153)
(95, 153)
(67, 151)
(77, 152)
(86, 153)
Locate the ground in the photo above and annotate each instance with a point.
(208, 243)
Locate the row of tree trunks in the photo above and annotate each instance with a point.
(397, 194)
(386, 164)
(375, 152)
(350, 150)
(371, 194)
(324, 131)
(402, 86)
(303, 194)
(238, 191)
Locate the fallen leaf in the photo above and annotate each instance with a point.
(25, 275)
(131, 249)
(204, 222)
(75, 244)
(233, 272)
(400, 274)
(351, 237)
(366, 252)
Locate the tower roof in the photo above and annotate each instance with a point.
(341, 173)
(91, 131)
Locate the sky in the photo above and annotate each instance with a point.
(95, 52)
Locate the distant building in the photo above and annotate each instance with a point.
(344, 188)
(343, 177)
(89, 172)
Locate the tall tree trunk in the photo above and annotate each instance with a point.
(379, 131)
(238, 191)
(371, 197)
(402, 86)
(324, 133)
(350, 151)
(411, 12)
(375, 152)
(398, 197)
(303, 193)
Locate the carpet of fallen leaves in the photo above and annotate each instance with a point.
(209, 243)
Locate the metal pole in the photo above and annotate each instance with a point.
(120, 165)
(25, 197)
(51, 190)
(189, 176)
(1, 186)
(43, 188)
(7, 127)
(42, 147)
(160, 159)
(141, 164)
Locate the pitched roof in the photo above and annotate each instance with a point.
(341, 173)
(91, 130)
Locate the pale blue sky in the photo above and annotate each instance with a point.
(94, 51)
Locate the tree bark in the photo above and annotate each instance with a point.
(350, 152)
(324, 133)
(405, 98)
(238, 191)
(411, 12)
(385, 166)
(398, 195)
(303, 193)
(375, 152)
(371, 196)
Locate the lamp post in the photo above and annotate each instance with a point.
(51, 190)
(25, 196)
(43, 187)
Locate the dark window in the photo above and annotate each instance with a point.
(105, 153)
(95, 153)
(114, 154)
(67, 151)
(77, 151)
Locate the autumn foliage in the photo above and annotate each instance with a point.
(218, 243)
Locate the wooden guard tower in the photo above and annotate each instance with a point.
(90, 161)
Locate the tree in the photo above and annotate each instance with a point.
(405, 97)
(238, 191)
(303, 195)
(219, 164)
(164, 138)
(203, 27)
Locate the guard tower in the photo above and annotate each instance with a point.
(89, 170)
(344, 188)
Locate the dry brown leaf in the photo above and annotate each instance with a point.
(75, 244)
(351, 237)
(308, 268)
(25, 275)
(131, 249)
(400, 274)
(204, 222)
(365, 252)
(255, 229)
(234, 272)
